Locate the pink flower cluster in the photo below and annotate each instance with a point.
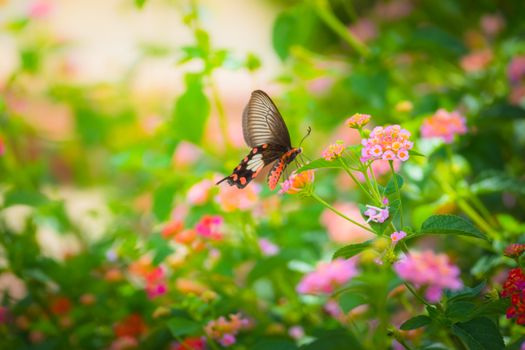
(387, 143)
(376, 214)
(209, 227)
(224, 331)
(267, 247)
(358, 120)
(431, 270)
(328, 276)
(198, 194)
(444, 125)
(297, 182)
(397, 236)
(153, 276)
(333, 151)
(231, 198)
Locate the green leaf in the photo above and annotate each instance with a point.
(351, 250)
(415, 153)
(163, 201)
(275, 344)
(140, 3)
(449, 224)
(160, 247)
(460, 311)
(191, 111)
(391, 185)
(465, 293)
(333, 340)
(265, 266)
(494, 182)
(318, 164)
(492, 309)
(416, 322)
(24, 197)
(179, 326)
(349, 300)
(479, 334)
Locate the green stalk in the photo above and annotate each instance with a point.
(323, 202)
(223, 122)
(325, 13)
(349, 172)
(415, 294)
(391, 163)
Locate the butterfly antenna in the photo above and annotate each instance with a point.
(309, 130)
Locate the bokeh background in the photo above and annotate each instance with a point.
(117, 117)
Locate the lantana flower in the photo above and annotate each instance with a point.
(328, 276)
(444, 125)
(514, 250)
(333, 151)
(397, 236)
(389, 143)
(358, 120)
(297, 182)
(231, 198)
(267, 247)
(224, 330)
(376, 214)
(210, 227)
(514, 287)
(430, 270)
(199, 193)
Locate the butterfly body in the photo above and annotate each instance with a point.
(265, 131)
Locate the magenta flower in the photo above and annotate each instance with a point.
(397, 236)
(209, 227)
(516, 69)
(328, 277)
(387, 143)
(376, 214)
(430, 270)
(267, 247)
(444, 125)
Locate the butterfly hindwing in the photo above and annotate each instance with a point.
(278, 168)
(252, 165)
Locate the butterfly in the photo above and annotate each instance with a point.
(266, 133)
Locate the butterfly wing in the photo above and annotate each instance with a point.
(252, 165)
(263, 124)
(278, 168)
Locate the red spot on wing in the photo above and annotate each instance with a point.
(242, 180)
(265, 146)
(254, 150)
(234, 177)
(275, 175)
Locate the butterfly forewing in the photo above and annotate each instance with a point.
(262, 123)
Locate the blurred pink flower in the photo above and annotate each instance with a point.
(393, 10)
(343, 231)
(224, 330)
(124, 343)
(492, 24)
(268, 248)
(2, 146)
(4, 314)
(388, 143)
(433, 271)
(193, 343)
(376, 214)
(296, 332)
(333, 151)
(516, 69)
(444, 125)
(231, 198)
(523, 346)
(186, 154)
(334, 310)
(397, 236)
(210, 226)
(156, 284)
(363, 29)
(199, 193)
(40, 9)
(477, 60)
(320, 85)
(517, 94)
(296, 183)
(327, 277)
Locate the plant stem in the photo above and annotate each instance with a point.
(414, 293)
(391, 163)
(323, 202)
(223, 122)
(349, 172)
(372, 184)
(325, 13)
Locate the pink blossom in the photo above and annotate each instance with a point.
(198, 194)
(397, 236)
(328, 277)
(186, 154)
(444, 125)
(231, 198)
(376, 214)
(40, 9)
(321, 85)
(427, 269)
(341, 230)
(358, 120)
(210, 227)
(492, 24)
(2, 146)
(333, 151)
(516, 69)
(224, 330)
(391, 139)
(156, 284)
(476, 61)
(393, 10)
(364, 29)
(267, 247)
(296, 332)
(124, 343)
